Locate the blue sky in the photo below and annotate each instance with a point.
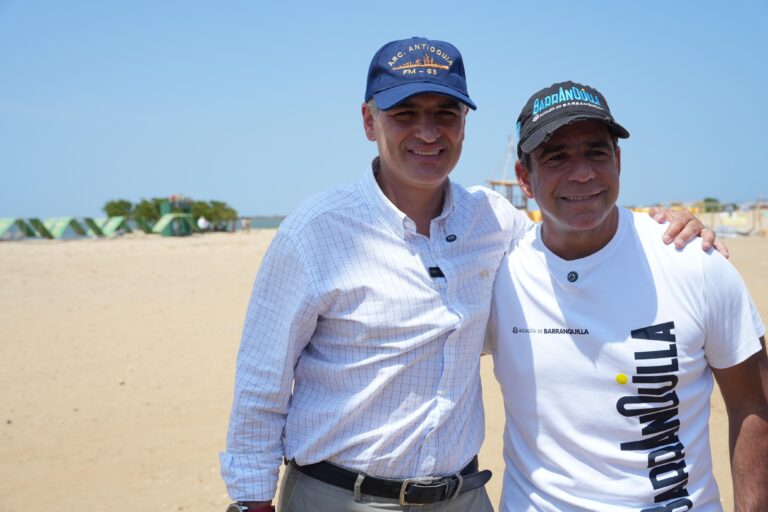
(258, 104)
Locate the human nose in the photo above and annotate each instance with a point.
(582, 171)
(427, 128)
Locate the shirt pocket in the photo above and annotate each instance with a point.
(474, 279)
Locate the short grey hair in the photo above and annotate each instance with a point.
(373, 107)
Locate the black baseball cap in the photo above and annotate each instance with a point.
(407, 67)
(558, 105)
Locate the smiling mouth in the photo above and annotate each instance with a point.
(431, 152)
(580, 198)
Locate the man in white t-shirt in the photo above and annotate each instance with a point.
(605, 342)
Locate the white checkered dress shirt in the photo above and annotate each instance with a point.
(383, 359)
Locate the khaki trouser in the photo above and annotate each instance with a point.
(302, 493)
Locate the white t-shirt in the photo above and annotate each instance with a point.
(604, 363)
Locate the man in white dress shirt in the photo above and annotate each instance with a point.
(605, 342)
(359, 362)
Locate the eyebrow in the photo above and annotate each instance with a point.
(591, 145)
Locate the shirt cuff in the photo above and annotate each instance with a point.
(248, 478)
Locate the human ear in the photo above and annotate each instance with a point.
(523, 179)
(370, 132)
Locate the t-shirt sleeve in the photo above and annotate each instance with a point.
(522, 224)
(733, 326)
(756, 320)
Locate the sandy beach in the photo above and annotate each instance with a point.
(117, 364)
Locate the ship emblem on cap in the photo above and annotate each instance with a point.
(428, 62)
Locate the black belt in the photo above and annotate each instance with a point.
(413, 491)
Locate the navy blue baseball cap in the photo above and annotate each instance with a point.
(405, 68)
(558, 105)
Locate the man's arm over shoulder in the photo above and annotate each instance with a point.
(745, 391)
(281, 317)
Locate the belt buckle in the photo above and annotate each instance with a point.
(404, 488)
(431, 481)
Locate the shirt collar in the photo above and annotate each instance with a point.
(387, 211)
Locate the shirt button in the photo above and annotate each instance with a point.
(572, 277)
(450, 238)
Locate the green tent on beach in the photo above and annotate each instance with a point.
(113, 225)
(59, 226)
(93, 228)
(175, 224)
(9, 226)
(40, 228)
